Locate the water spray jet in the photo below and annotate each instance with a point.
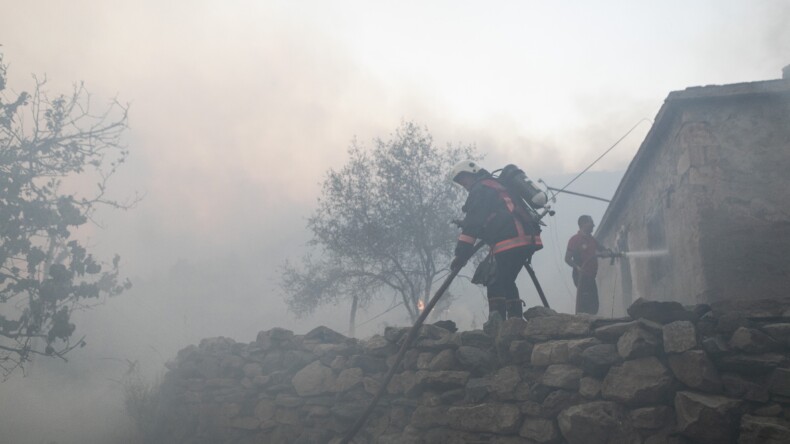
(645, 253)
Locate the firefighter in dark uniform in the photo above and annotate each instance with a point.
(495, 217)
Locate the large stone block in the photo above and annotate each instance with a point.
(637, 343)
(325, 335)
(779, 383)
(639, 382)
(437, 381)
(477, 389)
(715, 345)
(314, 379)
(738, 387)
(476, 338)
(504, 382)
(612, 332)
(540, 430)
(369, 364)
(294, 360)
(444, 360)
(348, 379)
(276, 337)
(511, 329)
(727, 323)
(402, 383)
(428, 417)
(762, 430)
(750, 340)
(696, 370)
(432, 337)
(752, 365)
(560, 351)
(264, 410)
(651, 418)
(590, 387)
(660, 311)
(490, 418)
(476, 360)
(679, 336)
(288, 400)
(707, 418)
(424, 360)
(557, 327)
(598, 422)
(597, 359)
(520, 352)
(378, 346)
(557, 401)
(562, 376)
(780, 332)
(394, 334)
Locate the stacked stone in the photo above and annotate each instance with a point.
(282, 388)
(666, 374)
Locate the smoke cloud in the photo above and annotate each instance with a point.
(239, 108)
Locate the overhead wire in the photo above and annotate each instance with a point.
(644, 119)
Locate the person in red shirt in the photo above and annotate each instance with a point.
(582, 256)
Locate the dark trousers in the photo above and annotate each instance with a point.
(586, 293)
(502, 291)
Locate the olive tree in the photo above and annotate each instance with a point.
(56, 157)
(382, 226)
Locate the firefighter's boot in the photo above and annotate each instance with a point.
(496, 314)
(492, 325)
(515, 308)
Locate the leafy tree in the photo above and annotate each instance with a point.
(48, 146)
(382, 226)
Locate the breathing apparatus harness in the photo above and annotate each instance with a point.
(529, 197)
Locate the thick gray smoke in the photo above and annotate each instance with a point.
(238, 110)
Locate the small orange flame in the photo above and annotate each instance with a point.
(420, 305)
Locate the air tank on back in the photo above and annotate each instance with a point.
(516, 180)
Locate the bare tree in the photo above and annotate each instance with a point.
(49, 145)
(382, 226)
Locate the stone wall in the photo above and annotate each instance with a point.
(665, 374)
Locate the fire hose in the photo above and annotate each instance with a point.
(410, 336)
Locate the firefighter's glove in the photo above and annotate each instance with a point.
(463, 251)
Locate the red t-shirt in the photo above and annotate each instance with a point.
(583, 248)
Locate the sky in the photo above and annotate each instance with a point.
(239, 108)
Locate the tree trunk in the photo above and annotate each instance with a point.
(352, 319)
(415, 310)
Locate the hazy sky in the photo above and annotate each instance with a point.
(238, 108)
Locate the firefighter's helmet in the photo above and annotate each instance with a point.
(464, 166)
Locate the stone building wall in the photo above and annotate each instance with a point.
(661, 213)
(712, 189)
(665, 374)
(745, 212)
